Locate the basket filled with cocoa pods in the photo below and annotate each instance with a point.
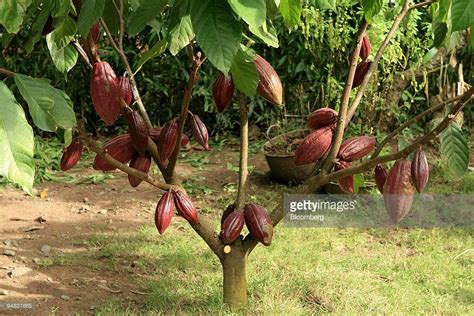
(280, 155)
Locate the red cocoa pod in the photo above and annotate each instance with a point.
(125, 89)
(104, 92)
(321, 118)
(380, 176)
(199, 131)
(48, 26)
(227, 212)
(138, 131)
(164, 212)
(314, 146)
(232, 227)
(141, 163)
(119, 147)
(365, 48)
(155, 134)
(360, 73)
(185, 207)
(345, 183)
(71, 155)
(356, 148)
(167, 139)
(95, 29)
(223, 91)
(259, 223)
(420, 170)
(269, 85)
(398, 192)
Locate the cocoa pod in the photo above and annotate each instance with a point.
(269, 84)
(360, 73)
(141, 163)
(138, 131)
(398, 192)
(227, 212)
(199, 131)
(119, 147)
(380, 176)
(259, 223)
(314, 146)
(223, 91)
(105, 92)
(232, 227)
(365, 48)
(321, 118)
(95, 29)
(71, 155)
(125, 89)
(356, 147)
(164, 212)
(345, 183)
(420, 170)
(185, 207)
(167, 139)
(155, 134)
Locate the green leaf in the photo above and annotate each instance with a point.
(181, 28)
(218, 33)
(359, 182)
(64, 59)
(146, 12)
(49, 107)
(16, 142)
(253, 12)
(244, 72)
(325, 4)
(291, 12)
(67, 137)
(462, 14)
(61, 8)
(63, 32)
(454, 149)
(91, 11)
(155, 51)
(444, 6)
(267, 34)
(12, 13)
(371, 8)
(272, 7)
(440, 30)
(429, 55)
(37, 27)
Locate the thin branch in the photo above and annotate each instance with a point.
(341, 119)
(136, 94)
(7, 72)
(244, 152)
(188, 93)
(375, 62)
(119, 10)
(82, 53)
(410, 122)
(421, 4)
(95, 147)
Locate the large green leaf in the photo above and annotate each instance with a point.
(37, 27)
(291, 12)
(12, 13)
(146, 12)
(440, 29)
(218, 33)
(16, 142)
(158, 49)
(91, 11)
(371, 8)
(454, 149)
(49, 107)
(63, 32)
(325, 4)
(462, 14)
(443, 10)
(267, 34)
(65, 58)
(181, 28)
(253, 12)
(244, 72)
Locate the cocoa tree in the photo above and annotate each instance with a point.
(214, 31)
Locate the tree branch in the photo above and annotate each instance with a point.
(7, 72)
(244, 153)
(342, 117)
(82, 53)
(421, 4)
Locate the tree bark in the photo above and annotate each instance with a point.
(235, 280)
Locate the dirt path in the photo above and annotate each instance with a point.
(35, 230)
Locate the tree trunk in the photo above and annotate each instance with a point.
(235, 281)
